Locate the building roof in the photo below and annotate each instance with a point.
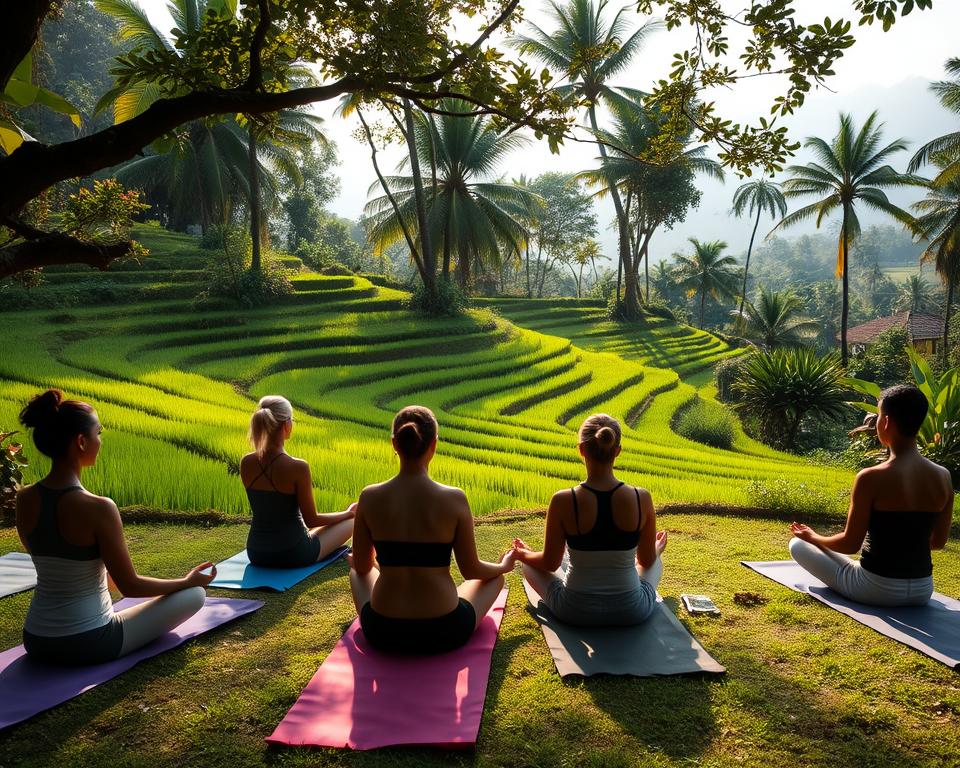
(919, 326)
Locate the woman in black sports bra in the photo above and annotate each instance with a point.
(280, 492)
(610, 572)
(403, 535)
(899, 511)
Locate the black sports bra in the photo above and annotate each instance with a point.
(415, 554)
(605, 535)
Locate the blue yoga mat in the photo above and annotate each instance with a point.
(17, 573)
(237, 573)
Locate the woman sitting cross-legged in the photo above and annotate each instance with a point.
(75, 539)
(280, 492)
(899, 511)
(403, 536)
(609, 529)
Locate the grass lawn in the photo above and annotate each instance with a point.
(805, 685)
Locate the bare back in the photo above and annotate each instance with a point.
(274, 473)
(908, 483)
(77, 514)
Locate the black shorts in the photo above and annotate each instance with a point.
(95, 646)
(420, 636)
(302, 554)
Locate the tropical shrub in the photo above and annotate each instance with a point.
(12, 463)
(939, 437)
(885, 362)
(228, 273)
(725, 375)
(450, 300)
(781, 495)
(707, 423)
(779, 389)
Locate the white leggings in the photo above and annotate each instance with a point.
(147, 621)
(846, 576)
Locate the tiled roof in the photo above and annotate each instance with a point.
(919, 326)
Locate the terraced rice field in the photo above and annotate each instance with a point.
(174, 387)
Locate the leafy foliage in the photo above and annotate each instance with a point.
(885, 361)
(707, 423)
(707, 272)
(229, 274)
(12, 464)
(449, 300)
(775, 319)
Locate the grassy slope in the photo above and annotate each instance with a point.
(805, 685)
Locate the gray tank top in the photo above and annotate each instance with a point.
(72, 594)
(277, 523)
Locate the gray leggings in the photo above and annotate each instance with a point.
(847, 577)
(126, 631)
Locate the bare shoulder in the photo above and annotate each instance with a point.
(643, 494)
(561, 498)
(942, 472)
(92, 503)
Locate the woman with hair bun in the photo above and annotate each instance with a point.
(75, 540)
(280, 492)
(403, 537)
(612, 565)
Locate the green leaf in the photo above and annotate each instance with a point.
(11, 135)
(57, 103)
(868, 407)
(863, 387)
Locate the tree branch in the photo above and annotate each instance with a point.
(57, 248)
(21, 23)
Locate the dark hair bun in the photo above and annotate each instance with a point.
(606, 436)
(42, 409)
(409, 439)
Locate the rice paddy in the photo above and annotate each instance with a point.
(510, 382)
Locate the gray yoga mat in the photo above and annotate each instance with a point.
(659, 646)
(933, 629)
(17, 573)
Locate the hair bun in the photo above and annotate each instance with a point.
(606, 436)
(42, 408)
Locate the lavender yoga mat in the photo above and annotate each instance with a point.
(237, 573)
(659, 646)
(361, 698)
(28, 687)
(17, 573)
(933, 629)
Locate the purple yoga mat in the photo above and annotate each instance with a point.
(933, 629)
(28, 687)
(361, 698)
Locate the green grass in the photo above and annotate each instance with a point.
(805, 685)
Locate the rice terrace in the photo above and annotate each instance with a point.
(240, 240)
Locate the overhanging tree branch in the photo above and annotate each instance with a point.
(58, 248)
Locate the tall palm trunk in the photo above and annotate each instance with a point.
(946, 322)
(254, 200)
(746, 267)
(631, 301)
(703, 304)
(845, 307)
(426, 247)
(529, 294)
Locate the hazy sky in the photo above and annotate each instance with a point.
(889, 72)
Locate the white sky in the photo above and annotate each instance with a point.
(885, 71)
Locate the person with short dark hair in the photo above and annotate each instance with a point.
(76, 540)
(612, 566)
(404, 533)
(899, 511)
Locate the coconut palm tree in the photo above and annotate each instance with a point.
(914, 294)
(654, 195)
(707, 272)
(473, 219)
(948, 145)
(849, 170)
(776, 319)
(760, 195)
(938, 222)
(589, 51)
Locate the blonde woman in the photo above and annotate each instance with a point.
(287, 531)
(610, 531)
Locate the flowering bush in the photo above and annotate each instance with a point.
(12, 462)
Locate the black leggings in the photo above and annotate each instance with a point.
(421, 636)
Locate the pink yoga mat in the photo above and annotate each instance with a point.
(28, 687)
(361, 698)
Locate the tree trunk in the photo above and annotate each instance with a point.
(946, 322)
(255, 241)
(426, 247)
(529, 293)
(795, 427)
(445, 273)
(631, 301)
(845, 308)
(746, 267)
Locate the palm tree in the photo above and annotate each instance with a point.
(474, 219)
(938, 222)
(655, 195)
(589, 51)
(948, 145)
(775, 320)
(914, 294)
(848, 170)
(760, 195)
(707, 271)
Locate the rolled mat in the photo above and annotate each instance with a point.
(933, 629)
(361, 698)
(17, 573)
(28, 687)
(238, 573)
(659, 646)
